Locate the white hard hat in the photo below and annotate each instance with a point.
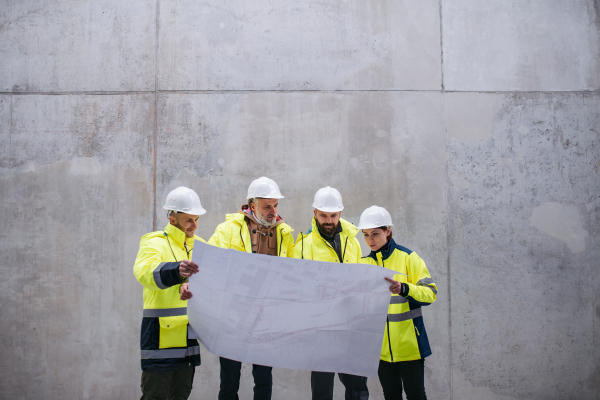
(265, 188)
(328, 199)
(374, 217)
(184, 200)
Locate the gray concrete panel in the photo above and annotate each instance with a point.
(77, 46)
(290, 45)
(524, 246)
(511, 45)
(76, 200)
(376, 148)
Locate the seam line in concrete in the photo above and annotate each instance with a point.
(441, 46)
(235, 91)
(448, 267)
(95, 93)
(155, 132)
(10, 129)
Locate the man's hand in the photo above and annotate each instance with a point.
(187, 268)
(184, 293)
(395, 287)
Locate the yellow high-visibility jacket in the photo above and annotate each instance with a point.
(405, 338)
(234, 234)
(313, 246)
(164, 339)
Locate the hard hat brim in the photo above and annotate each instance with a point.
(193, 211)
(268, 197)
(328, 209)
(371, 226)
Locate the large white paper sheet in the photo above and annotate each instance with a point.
(289, 313)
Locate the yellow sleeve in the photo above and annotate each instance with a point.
(422, 288)
(152, 271)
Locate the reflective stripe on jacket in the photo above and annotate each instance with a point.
(234, 234)
(164, 338)
(405, 338)
(313, 246)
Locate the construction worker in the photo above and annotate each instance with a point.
(256, 228)
(405, 343)
(332, 239)
(162, 265)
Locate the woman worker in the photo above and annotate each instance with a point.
(405, 343)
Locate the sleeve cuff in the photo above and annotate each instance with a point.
(404, 290)
(167, 275)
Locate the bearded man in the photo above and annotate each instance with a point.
(256, 228)
(331, 239)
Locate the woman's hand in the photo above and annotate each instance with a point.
(395, 287)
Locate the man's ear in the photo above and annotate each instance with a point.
(253, 207)
(315, 212)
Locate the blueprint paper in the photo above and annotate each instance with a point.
(289, 313)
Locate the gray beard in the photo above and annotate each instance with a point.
(262, 220)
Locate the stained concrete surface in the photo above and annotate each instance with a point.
(63, 46)
(497, 191)
(536, 45)
(538, 281)
(290, 45)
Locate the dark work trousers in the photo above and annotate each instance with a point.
(321, 384)
(167, 385)
(410, 373)
(230, 380)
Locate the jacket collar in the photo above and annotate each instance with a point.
(386, 250)
(348, 228)
(240, 219)
(249, 214)
(178, 236)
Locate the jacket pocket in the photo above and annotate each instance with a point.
(173, 332)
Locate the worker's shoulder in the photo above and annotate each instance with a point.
(231, 220)
(348, 228)
(403, 249)
(285, 228)
(152, 238)
(307, 238)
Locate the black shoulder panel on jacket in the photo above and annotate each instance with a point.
(404, 249)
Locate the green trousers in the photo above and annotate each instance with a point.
(167, 385)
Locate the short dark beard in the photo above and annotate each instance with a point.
(328, 231)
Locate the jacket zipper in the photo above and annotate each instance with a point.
(387, 321)
(186, 249)
(331, 247)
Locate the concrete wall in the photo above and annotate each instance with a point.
(477, 124)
